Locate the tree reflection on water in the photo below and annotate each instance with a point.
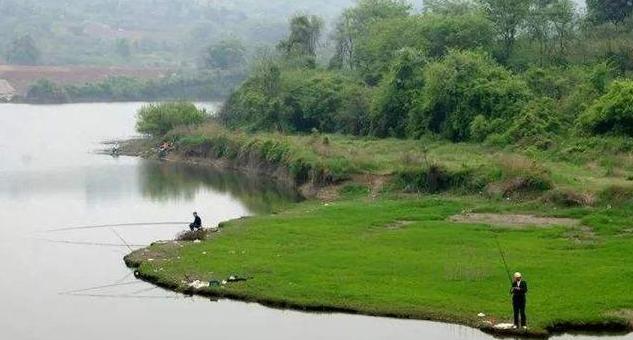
(173, 181)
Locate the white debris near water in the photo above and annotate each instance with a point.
(197, 284)
(504, 326)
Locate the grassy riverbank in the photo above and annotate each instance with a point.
(402, 257)
(384, 240)
(580, 172)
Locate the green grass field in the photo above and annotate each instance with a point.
(400, 256)
(391, 249)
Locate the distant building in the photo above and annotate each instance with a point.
(7, 92)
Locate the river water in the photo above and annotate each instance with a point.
(52, 282)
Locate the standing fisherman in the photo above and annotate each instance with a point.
(518, 291)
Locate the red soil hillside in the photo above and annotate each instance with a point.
(20, 77)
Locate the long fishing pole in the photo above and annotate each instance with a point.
(87, 243)
(101, 287)
(127, 296)
(102, 226)
(503, 257)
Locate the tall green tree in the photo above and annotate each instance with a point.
(449, 7)
(23, 50)
(507, 16)
(431, 33)
(354, 24)
(395, 95)
(551, 25)
(614, 11)
(301, 45)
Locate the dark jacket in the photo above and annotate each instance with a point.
(197, 222)
(518, 292)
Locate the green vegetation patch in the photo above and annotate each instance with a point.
(405, 258)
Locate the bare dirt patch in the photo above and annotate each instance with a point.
(514, 220)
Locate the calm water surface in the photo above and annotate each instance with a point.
(51, 178)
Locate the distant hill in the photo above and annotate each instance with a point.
(156, 32)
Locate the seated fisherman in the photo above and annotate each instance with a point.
(197, 222)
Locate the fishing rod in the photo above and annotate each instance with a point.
(503, 257)
(103, 226)
(87, 243)
(101, 287)
(127, 296)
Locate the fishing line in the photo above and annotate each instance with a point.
(121, 280)
(102, 226)
(126, 296)
(144, 290)
(101, 287)
(88, 243)
(122, 239)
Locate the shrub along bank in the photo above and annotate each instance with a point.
(425, 166)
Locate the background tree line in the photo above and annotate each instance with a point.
(500, 71)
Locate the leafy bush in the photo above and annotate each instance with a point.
(394, 97)
(298, 100)
(436, 178)
(481, 127)
(617, 195)
(158, 119)
(611, 113)
(521, 174)
(434, 34)
(460, 87)
(536, 125)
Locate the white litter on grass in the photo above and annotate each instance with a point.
(481, 315)
(504, 326)
(224, 282)
(197, 284)
(197, 241)
(204, 253)
(150, 260)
